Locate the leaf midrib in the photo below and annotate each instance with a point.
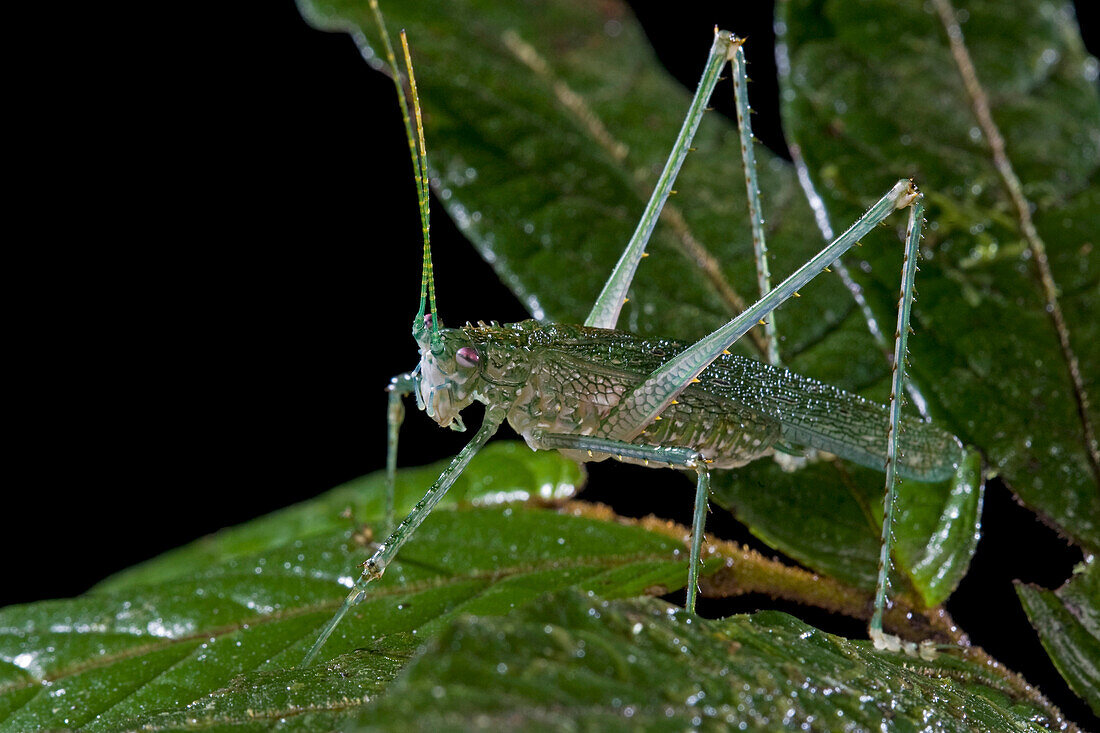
(1010, 182)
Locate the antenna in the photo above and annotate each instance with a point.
(419, 155)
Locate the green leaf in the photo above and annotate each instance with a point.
(539, 80)
(875, 93)
(1068, 622)
(503, 470)
(839, 521)
(178, 633)
(570, 662)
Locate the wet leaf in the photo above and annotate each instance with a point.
(1068, 622)
(588, 664)
(875, 93)
(539, 80)
(839, 511)
(542, 79)
(213, 631)
(502, 470)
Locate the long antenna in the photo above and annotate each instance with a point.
(429, 273)
(419, 157)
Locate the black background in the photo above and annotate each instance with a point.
(201, 336)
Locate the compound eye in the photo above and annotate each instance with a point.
(467, 357)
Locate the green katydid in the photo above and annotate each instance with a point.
(592, 392)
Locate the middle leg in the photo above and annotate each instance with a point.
(671, 456)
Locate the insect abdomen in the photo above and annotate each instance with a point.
(735, 414)
(726, 433)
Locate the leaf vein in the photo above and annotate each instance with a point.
(980, 105)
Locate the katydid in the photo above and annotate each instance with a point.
(593, 392)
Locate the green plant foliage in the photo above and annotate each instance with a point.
(875, 93)
(1068, 622)
(839, 511)
(213, 630)
(537, 80)
(545, 143)
(503, 470)
(577, 663)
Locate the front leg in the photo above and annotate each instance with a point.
(670, 456)
(396, 390)
(376, 565)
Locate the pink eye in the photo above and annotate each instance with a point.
(467, 356)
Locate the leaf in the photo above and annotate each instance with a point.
(503, 470)
(542, 79)
(1068, 622)
(839, 521)
(875, 93)
(178, 633)
(577, 663)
